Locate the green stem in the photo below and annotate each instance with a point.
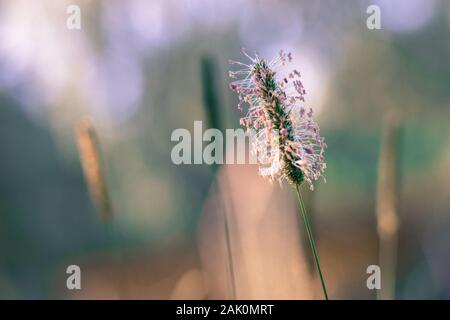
(311, 240)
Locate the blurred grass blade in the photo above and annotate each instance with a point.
(212, 107)
(210, 92)
(387, 206)
(89, 150)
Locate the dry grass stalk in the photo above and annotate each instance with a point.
(89, 150)
(387, 206)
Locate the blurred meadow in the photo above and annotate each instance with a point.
(140, 69)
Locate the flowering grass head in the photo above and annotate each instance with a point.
(284, 136)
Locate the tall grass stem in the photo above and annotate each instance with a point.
(212, 103)
(311, 241)
(387, 204)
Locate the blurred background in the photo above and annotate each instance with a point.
(140, 69)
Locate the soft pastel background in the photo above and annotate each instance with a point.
(140, 69)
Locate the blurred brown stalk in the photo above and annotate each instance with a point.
(89, 150)
(387, 206)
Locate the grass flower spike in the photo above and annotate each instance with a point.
(285, 137)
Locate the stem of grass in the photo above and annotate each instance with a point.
(311, 240)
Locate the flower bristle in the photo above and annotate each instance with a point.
(286, 140)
